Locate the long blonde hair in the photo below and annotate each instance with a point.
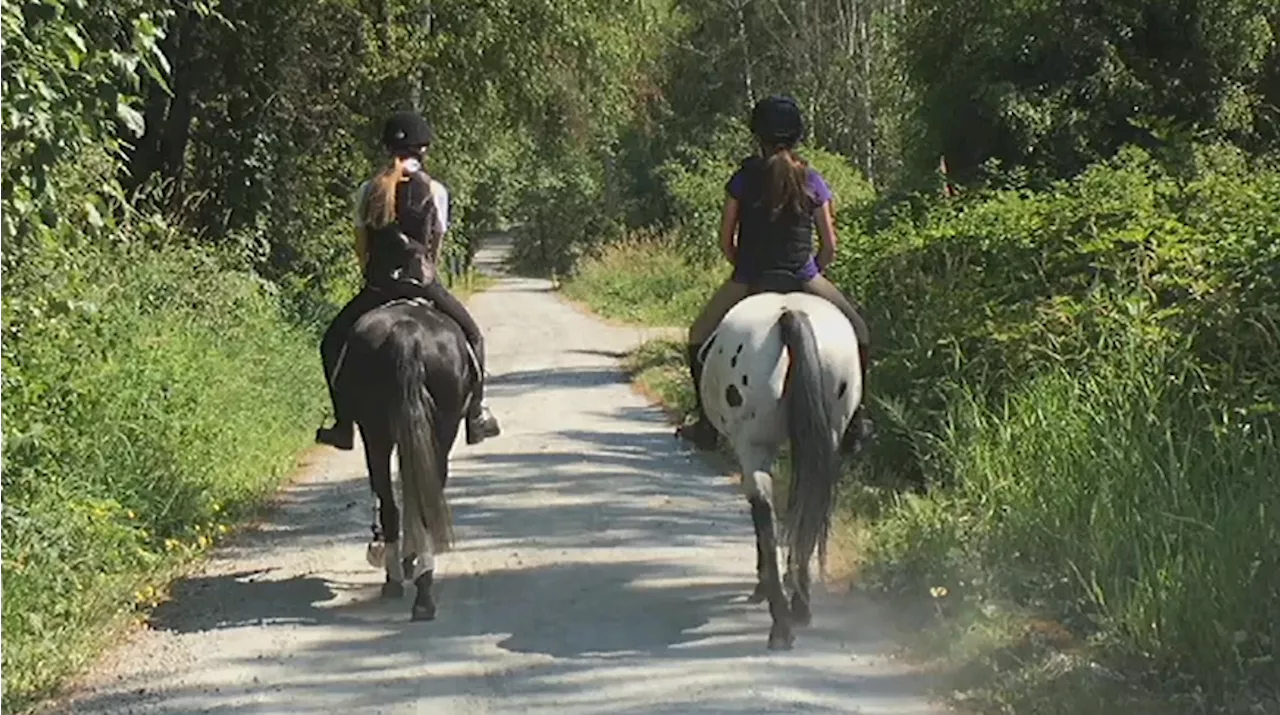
(380, 208)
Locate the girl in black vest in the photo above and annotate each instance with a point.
(773, 204)
(401, 204)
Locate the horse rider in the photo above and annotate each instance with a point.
(772, 205)
(400, 203)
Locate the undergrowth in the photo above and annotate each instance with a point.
(645, 280)
(151, 398)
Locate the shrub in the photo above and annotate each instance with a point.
(149, 396)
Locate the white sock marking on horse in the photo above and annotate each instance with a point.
(417, 540)
(395, 570)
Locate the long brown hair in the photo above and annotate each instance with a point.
(380, 208)
(785, 175)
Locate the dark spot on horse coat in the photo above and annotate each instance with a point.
(739, 350)
(732, 396)
(733, 361)
(744, 380)
(843, 386)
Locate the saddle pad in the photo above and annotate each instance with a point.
(415, 300)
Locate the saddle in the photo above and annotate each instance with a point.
(775, 282)
(389, 286)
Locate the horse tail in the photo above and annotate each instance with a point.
(413, 426)
(815, 468)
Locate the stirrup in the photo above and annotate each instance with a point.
(482, 426)
(336, 437)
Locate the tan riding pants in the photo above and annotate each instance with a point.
(730, 293)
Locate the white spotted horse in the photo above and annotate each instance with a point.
(779, 367)
(408, 371)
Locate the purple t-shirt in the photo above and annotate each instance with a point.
(814, 185)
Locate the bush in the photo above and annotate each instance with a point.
(150, 396)
(1116, 500)
(646, 279)
(996, 288)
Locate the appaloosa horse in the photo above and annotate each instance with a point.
(784, 366)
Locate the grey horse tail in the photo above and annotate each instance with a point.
(815, 467)
(414, 429)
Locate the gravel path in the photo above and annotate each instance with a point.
(601, 568)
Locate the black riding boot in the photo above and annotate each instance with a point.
(700, 432)
(481, 424)
(342, 434)
(860, 425)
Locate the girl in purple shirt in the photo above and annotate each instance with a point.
(773, 204)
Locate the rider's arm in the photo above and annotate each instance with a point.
(729, 228)
(362, 235)
(440, 195)
(824, 218)
(362, 246)
(827, 234)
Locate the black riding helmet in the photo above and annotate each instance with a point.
(777, 119)
(406, 132)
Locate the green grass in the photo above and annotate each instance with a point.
(468, 284)
(644, 281)
(1112, 503)
(660, 369)
(151, 399)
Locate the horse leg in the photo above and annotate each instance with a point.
(761, 591)
(377, 455)
(759, 487)
(424, 605)
(801, 614)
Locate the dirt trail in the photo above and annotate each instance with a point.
(601, 568)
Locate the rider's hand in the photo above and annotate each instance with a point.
(826, 256)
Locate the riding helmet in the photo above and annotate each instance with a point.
(406, 131)
(778, 119)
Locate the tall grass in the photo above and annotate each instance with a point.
(150, 397)
(647, 280)
(1118, 500)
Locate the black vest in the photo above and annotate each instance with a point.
(765, 242)
(415, 233)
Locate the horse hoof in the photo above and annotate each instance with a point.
(781, 640)
(758, 595)
(392, 589)
(423, 612)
